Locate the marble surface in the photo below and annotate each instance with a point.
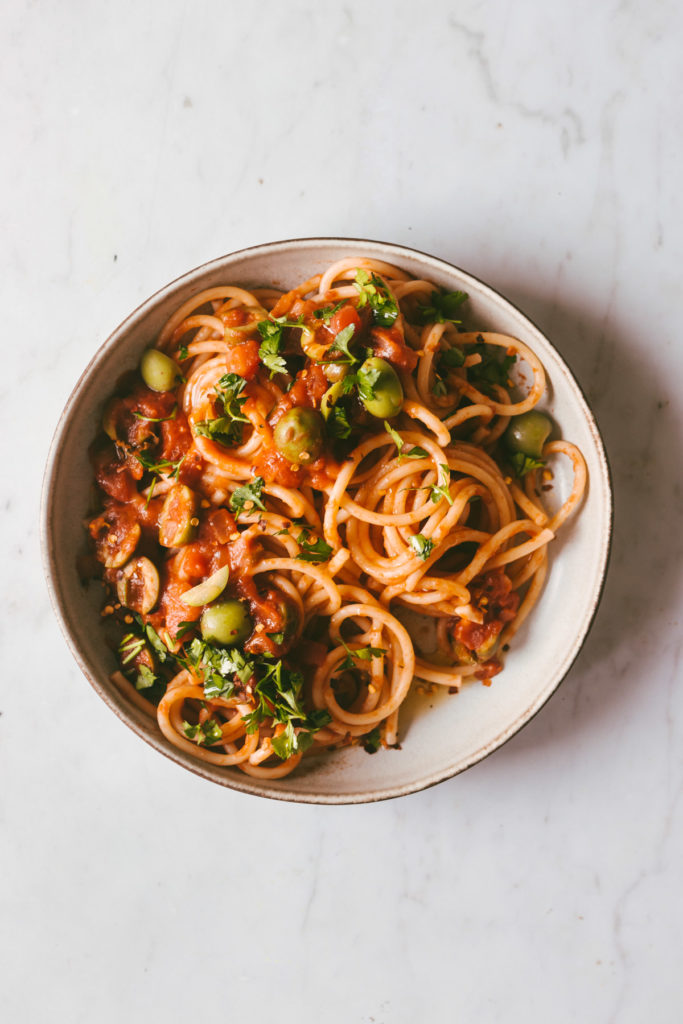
(538, 146)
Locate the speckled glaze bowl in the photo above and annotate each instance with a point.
(441, 735)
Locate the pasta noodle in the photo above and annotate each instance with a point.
(288, 480)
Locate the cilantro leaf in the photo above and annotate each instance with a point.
(421, 545)
(372, 291)
(523, 464)
(414, 453)
(313, 551)
(442, 308)
(247, 497)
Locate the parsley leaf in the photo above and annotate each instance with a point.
(327, 312)
(337, 423)
(183, 353)
(205, 734)
(363, 653)
(271, 341)
(247, 497)
(442, 488)
(523, 464)
(421, 545)
(414, 453)
(157, 419)
(373, 292)
(372, 741)
(158, 467)
(313, 551)
(442, 308)
(227, 429)
(278, 694)
(365, 379)
(145, 679)
(153, 638)
(219, 667)
(490, 370)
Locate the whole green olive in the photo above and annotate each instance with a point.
(528, 433)
(226, 623)
(299, 435)
(377, 378)
(159, 371)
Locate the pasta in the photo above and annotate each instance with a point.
(289, 481)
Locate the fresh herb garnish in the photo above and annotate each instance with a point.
(442, 308)
(159, 467)
(183, 628)
(247, 497)
(204, 733)
(372, 741)
(219, 667)
(277, 638)
(279, 693)
(421, 545)
(145, 679)
(366, 378)
(523, 464)
(313, 551)
(327, 312)
(414, 453)
(153, 638)
(271, 341)
(490, 370)
(130, 646)
(362, 653)
(227, 429)
(183, 353)
(441, 489)
(337, 424)
(448, 359)
(373, 292)
(157, 419)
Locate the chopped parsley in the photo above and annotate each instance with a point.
(279, 696)
(271, 342)
(313, 551)
(363, 653)
(145, 679)
(366, 378)
(441, 489)
(372, 741)
(150, 634)
(327, 312)
(341, 344)
(374, 293)
(219, 667)
(523, 464)
(442, 308)
(205, 733)
(247, 497)
(337, 423)
(490, 370)
(448, 359)
(157, 419)
(421, 545)
(183, 353)
(227, 429)
(159, 467)
(414, 453)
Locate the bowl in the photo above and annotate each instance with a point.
(441, 735)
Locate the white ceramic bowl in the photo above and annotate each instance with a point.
(440, 735)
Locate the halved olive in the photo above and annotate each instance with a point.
(330, 398)
(178, 518)
(117, 544)
(528, 433)
(226, 623)
(138, 585)
(299, 435)
(209, 590)
(109, 419)
(386, 388)
(159, 371)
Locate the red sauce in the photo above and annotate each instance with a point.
(388, 344)
(493, 595)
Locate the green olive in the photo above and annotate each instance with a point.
(299, 435)
(207, 591)
(159, 371)
(178, 520)
(330, 398)
(138, 585)
(226, 623)
(384, 385)
(528, 433)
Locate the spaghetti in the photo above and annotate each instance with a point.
(287, 479)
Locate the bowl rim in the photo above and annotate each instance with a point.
(243, 783)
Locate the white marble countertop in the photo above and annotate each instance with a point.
(536, 145)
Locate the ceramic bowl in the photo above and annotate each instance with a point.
(441, 735)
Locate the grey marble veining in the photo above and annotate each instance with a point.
(538, 146)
